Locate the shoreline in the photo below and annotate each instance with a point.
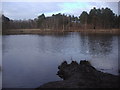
(82, 75)
(39, 31)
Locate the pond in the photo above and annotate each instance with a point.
(0, 62)
(32, 60)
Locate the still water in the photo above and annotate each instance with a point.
(32, 60)
(0, 62)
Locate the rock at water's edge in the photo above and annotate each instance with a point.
(82, 75)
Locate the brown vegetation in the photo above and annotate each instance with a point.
(39, 31)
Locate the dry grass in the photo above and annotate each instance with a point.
(39, 31)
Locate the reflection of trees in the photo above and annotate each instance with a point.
(119, 54)
(88, 44)
(5, 44)
(55, 34)
(52, 42)
(100, 44)
(84, 43)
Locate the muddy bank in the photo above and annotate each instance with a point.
(82, 75)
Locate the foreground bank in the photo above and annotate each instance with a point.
(82, 75)
(39, 31)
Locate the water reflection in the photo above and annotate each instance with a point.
(119, 54)
(55, 34)
(96, 45)
(31, 60)
(0, 61)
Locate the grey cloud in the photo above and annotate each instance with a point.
(30, 10)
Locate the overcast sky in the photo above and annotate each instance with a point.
(30, 10)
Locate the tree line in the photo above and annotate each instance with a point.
(103, 18)
(100, 18)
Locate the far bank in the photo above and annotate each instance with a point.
(42, 31)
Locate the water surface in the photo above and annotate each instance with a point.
(0, 62)
(32, 60)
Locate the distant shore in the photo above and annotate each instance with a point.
(41, 31)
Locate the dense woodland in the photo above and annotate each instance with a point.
(103, 18)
